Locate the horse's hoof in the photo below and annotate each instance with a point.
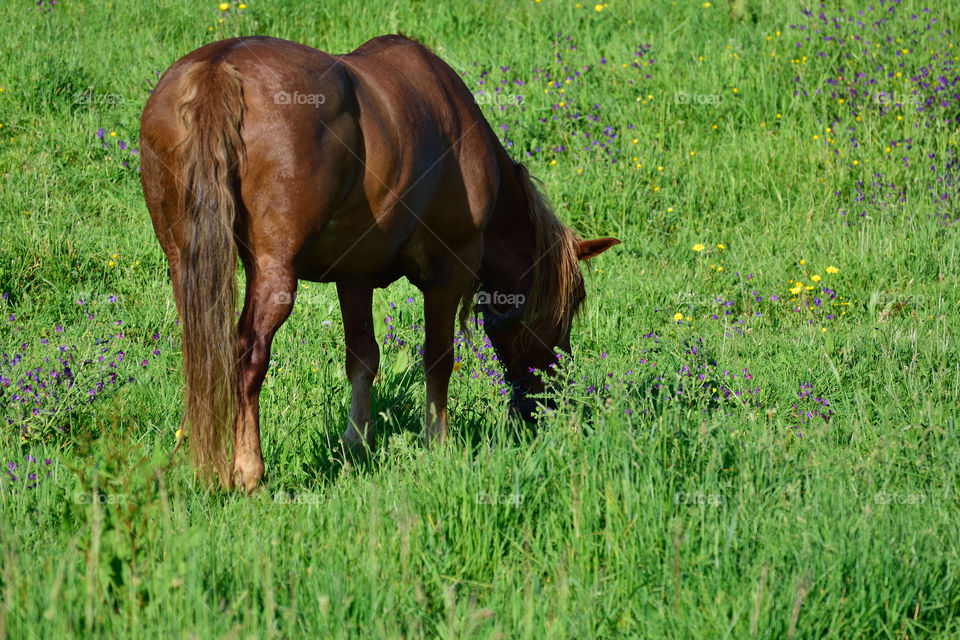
(247, 475)
(430, 438)
(354, 444)
(356, 450)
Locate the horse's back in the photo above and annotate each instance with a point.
(387, 136)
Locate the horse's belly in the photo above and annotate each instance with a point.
(358, 248)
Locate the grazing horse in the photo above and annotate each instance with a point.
(355, 169)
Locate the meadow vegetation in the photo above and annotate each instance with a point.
(758, 435)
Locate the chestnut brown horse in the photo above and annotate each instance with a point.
(355, 169)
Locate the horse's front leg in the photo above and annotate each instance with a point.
(268, 303)
(362, 358)
(440, 310)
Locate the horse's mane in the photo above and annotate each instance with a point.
(555, 269)
(405, 36)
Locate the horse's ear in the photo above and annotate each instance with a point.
(587, 249)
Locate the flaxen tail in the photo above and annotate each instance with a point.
(210, 107)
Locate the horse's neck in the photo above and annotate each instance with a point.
(509, 239)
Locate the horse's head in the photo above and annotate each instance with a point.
(526, 331)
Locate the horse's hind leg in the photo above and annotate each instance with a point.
(363, 358)
(268, 303)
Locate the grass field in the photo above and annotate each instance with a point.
(760, 436)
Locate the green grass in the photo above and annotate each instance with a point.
(647, 505)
